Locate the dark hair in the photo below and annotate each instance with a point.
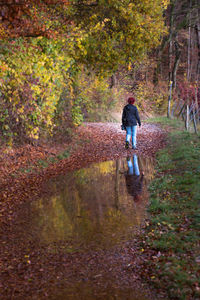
(131, 100)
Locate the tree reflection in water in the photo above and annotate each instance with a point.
(97, 206)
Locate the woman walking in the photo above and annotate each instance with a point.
(130, 118)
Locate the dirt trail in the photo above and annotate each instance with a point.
(30, 271)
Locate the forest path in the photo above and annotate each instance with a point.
(27, 167)
(109, 139)
(34, 271)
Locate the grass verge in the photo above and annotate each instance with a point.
(172, 236)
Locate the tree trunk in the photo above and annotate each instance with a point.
(176, 63)
(169, 100)
(196, 104)
(113, 81)
(187, 117)
(194, 118)
(189, 46)
(157, 69)
(181, 110)
(170, 57)
(197, 29)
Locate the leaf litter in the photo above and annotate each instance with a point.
(33, 271)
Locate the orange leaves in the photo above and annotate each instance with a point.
(27, 17)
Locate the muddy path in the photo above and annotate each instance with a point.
(60, 268)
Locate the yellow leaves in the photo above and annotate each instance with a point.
(6, 127)
(34, 133)
(168, 225)
(49, 121)
(61, 57)
(148, 95)
(10, 142)
(36, 89)
(3, 33)
(106, 167)
(35, 78)
(46, 77)
(131, 5)
(21, 110)
(71, 90)
(27, 259)
(165, 3)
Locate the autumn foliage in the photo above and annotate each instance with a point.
(56, 57)
(28, 18)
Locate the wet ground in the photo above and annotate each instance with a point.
(86, 292)
(77, 240)
(91, 209)
(94, 207)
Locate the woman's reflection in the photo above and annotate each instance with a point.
(134, 180)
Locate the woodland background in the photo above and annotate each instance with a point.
(62, 62)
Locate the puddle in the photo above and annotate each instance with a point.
(98, 206)
(86, 292)
(93, 208)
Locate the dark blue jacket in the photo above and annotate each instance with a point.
(130, 116)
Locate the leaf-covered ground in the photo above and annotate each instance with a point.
(31, 271)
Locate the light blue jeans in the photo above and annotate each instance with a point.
(133, 168)
(131, 131)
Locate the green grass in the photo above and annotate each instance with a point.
(51, 160)
(63, 155)
(42, 163)
(166, 122)
(174, 209)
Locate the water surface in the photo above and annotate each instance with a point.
(94, 209)
(98, 206)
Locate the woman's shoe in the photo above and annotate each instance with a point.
(134, 147)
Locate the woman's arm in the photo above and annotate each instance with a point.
(137, 116)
